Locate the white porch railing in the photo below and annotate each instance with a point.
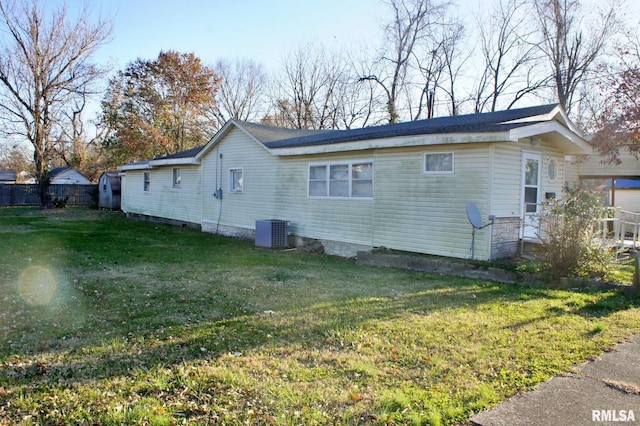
(620, 230)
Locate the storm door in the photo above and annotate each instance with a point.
(530, 195)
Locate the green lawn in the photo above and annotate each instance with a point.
(105, 320)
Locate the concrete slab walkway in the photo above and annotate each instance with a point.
(605, 391)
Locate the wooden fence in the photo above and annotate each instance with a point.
(20, 195)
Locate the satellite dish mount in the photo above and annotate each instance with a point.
(473, 214)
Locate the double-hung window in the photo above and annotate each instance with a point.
(341, 180)
(236, 180)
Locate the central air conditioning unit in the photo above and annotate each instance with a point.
(272, 233)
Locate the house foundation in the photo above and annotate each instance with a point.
(505, 237)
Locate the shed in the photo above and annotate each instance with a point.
(67, 176)
(109, 191)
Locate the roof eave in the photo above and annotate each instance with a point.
(134, 166)
(220, 135)
(174, 162)
(396, 142)
(574, 143)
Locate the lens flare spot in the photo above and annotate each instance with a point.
(37, 285)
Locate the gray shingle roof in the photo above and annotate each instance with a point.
(267, 134)
(182, 154)
(7, 176)
(483, 122)
(56, 171)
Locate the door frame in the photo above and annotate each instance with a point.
(530, 222)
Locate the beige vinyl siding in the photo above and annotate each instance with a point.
(571, 173)
(276, 188)
(506, 179)
(628, 200)
(255, 202)
(131, 191)
(592, 166)
(163, 199)
(550, 152)
(347, 220)
(427, 213)
(507, 176)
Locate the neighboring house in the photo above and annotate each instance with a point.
(67, 176)
(402, 186)
(7, 177)
(109, 191)
(622, 179)
(625, 194)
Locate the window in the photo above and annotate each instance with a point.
(147, 180)
(344, 180)
(177, 177)
(552, 169)
(236, 180)
(438, 163)
(362, 180)
(318, 181)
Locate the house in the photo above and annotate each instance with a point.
(109, 191)
(402, 186)
(7, 177)
(67, 176)
(620, 180)
(624, 194)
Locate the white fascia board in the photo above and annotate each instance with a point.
(174, 162)
(220, 134)
(397, 142)
(557, 114)
(214, 140)
(134, 166)
(540, 117)
(581, 146)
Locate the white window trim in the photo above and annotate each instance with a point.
(231, 189)
(146, 177)
(424, 163)
(328, 164)
(173, 177)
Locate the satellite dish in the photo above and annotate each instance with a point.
(473, 214)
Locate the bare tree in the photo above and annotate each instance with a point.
(304, 96)
(454, 59)
(242, 91)
(75, 146)
(509, 55)
(430, 63)
(15, 157)
(411, 23)
(45, 63)
(570, 51)
(617, 121)
(356, 103)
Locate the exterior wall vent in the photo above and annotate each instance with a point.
(272, 233)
